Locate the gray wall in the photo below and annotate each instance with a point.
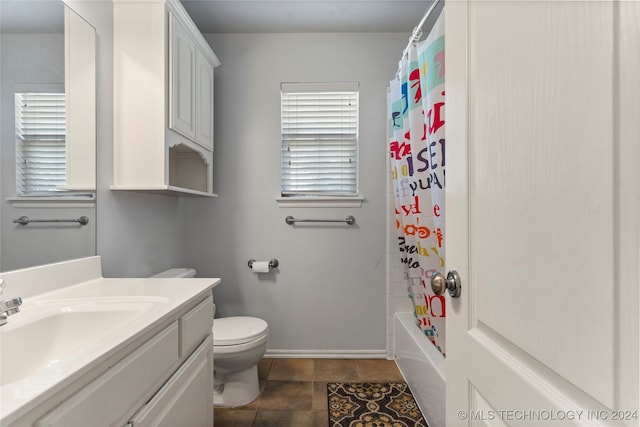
(329, 292)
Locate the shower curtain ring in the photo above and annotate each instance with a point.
(415, 36)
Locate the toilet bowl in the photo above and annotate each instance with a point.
(239, 342)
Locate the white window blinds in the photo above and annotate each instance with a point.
(319, 139)
(40, 142)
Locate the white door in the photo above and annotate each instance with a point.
(542, 212)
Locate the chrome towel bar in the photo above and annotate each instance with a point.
(24, 220)
(350, 219)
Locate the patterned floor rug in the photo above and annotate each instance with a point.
(372, 404)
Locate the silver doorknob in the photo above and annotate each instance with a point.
(452, 282)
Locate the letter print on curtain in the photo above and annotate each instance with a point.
(417, 155)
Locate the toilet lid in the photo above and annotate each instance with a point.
(237, 330)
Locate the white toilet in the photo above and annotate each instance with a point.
(239, 342)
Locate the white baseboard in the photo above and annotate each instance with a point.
(327, 354)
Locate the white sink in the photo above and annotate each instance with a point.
(45, 336)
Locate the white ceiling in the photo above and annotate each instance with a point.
(306, 16)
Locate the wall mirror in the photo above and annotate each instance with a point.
(47, 134)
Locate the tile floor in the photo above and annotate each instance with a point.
(294, 391)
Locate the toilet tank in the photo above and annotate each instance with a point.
(176, 272)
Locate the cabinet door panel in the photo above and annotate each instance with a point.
(204, 100)
(182, 89)
(110, 396)
(195, 326)
(187, 398)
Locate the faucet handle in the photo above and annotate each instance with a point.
(2, 285)
(12, 303)
(10, 306)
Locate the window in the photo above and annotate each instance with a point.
(319, 139)
(40, 142)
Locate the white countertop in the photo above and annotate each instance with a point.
(162, 298)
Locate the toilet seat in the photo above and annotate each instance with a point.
(237, 330)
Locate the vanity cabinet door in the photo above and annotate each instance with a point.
(187, 398)
(114, 393)
(183, 84)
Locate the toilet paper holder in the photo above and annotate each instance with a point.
(272, 264)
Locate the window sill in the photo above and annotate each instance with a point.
(66, 201)
(319, 202)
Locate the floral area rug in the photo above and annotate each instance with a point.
(372, 404)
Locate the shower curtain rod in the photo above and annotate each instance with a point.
(417, 30)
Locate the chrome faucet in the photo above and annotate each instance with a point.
(9, 306)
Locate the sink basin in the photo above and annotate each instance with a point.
(45, 336)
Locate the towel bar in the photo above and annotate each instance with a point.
(24, 220)
(350, 219)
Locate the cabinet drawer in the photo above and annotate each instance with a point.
(110, 395)
(195, 326)
(187, 398)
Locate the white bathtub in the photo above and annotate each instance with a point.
(422, 366)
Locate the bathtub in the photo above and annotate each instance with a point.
(422, 366)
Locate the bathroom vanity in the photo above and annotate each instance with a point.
(86, 350)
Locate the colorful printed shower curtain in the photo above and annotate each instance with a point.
(417, 153)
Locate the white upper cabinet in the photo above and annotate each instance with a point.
(191, 90)
(163, 100)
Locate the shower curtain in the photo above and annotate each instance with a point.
(417, 155)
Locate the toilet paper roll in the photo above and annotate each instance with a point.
(260, 266)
